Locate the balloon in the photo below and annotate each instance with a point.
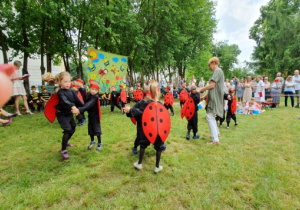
(6, 89)
(8, 69)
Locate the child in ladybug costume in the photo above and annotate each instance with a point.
(155, 121)
(114, 99)
(183, 95)
(169, 100)
(231, 107)
(123, 97)
(190, 111)
(92, 106)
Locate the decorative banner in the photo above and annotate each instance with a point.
(106, 68)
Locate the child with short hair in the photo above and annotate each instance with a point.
(114, 99)
(169, 99)
(250, 108)
(33, 100)
(231, 111)
(44, 96)
(68, 100)
(193, 122)
(243, 108)
(92, 106)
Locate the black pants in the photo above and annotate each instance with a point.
(32, 107)
(113, 104)
(220, 119)
(286, 95)
(193, 124)
(181, 104)
(229, 116)
(169, 107)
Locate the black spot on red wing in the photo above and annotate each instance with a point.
(152, 119)
(188, 107)
(150, 107)
(161, 120)
(150, 134)
(145, 124)
(165, 131)
(191, 113)
(161, 110)
(187, 118)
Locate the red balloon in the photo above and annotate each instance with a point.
(6, 89)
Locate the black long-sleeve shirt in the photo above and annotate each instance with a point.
(67, 99)
(91, 105)
(196, 98)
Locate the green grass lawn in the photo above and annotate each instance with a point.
(256, 165)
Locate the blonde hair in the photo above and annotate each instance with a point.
(260, 77)
(289, 78)
(59, 77)
(154, 87)
(214, 60)
(251, 102)
(146, 89)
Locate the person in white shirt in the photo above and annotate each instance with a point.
(296, 80)
(260, 90)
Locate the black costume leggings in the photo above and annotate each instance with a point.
(228, 118)
(66, 137)
(169, 107)
(113, 104)
(142, 152)
(98, 137)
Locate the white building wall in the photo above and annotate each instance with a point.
(34, 67)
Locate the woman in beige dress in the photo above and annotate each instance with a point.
(248, 90)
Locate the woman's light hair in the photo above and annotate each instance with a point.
(214, 60)
(289, 78)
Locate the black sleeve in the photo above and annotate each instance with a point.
(63, 100)
(89, 104)
(136, 111)
(29, 98)
(196, 98)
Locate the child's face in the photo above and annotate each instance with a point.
(44, 90)
(80, 85)
(193, 91)
(243, 104)
(33, 90)
(93, 91)
(65, 83)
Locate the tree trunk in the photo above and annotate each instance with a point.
(48, 55)
(107, 23)
(43, 48)
(3, 47)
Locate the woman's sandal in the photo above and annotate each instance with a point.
(18, 113)
(29, 112)
(212, 142)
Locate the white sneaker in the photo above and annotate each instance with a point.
(138, 166)
(156, 170)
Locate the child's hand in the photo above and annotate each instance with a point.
(229, 97)
(126, 108)
(75, 111)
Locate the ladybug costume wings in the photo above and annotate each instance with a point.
(138, 95)
(156, 122)
(183, 96)
(133, 120)
(80, 96)
(233, 105)
(123, 96)
(188, 109)
(50, 110)
(169, 99)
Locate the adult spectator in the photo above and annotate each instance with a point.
(215, 98)
(179, 85)
(201, 83)
(296, 80)
(171, 86)
(260, 90)
(254, 86)
(240, 89)
(226, 86)
(128, 81)
(248, 90)
(19, 89)
(289, 90)
(276, 87)
(192, 82)
(234, 82)
(267, 88)
(281, 80)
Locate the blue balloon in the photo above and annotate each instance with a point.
(100, 55)
(124, 60)
(115, 59)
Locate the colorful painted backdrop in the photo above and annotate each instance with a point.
(106, 68)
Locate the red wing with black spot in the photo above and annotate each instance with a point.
(50, 110)
(123, 96)
(183, 96)
(80, 96)
(156, 122)
(138, 95)
(169, 99)
(188, 109)
(233, 105)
